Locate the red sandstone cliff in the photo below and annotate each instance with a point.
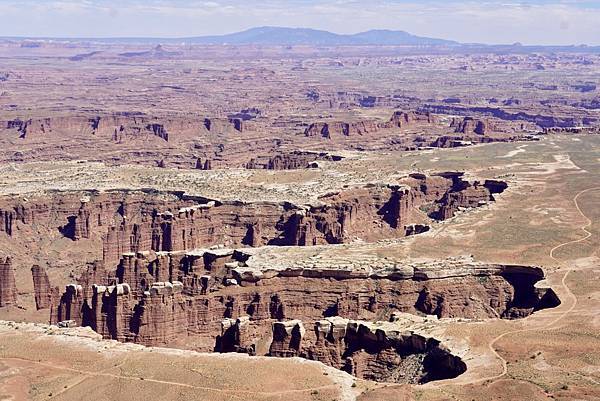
(137, 221)
(45, 294)
(402, 119)
(8, 287)
(290, 161)
(471, 126)
(332, 130)
(205, 288)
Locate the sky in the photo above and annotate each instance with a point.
(560, 22)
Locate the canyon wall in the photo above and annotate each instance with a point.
(379, 352)
(541, 120)
(121, 126)
(155, 298)
(340, 129)
(134, 221)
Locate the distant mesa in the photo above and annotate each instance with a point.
(270, 35)
(157, 52)
(83, 56)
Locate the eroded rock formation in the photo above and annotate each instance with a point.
(223, 124)
(138, 221)
(8, 286)
(198, 289)
(292, 160)
(379, 352)
(471, 126)
(465, 195)
(546, 120)
(332, 130)
(236, 336)
(402, 119)
(120, 127)
(206, 165)
(45, 295)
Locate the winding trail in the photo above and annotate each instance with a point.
(549, 325)
(102, 373)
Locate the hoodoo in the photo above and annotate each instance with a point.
(8, 286)
(44, 293)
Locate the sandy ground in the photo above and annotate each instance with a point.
(42, 363)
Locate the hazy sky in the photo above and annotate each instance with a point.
(491, 21)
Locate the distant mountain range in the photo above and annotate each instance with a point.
(281, 36)
(269, 35)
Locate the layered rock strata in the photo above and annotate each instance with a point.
(471, 126)
(44, 293)
(120, 126)
(402, 119)
(200, 289)
(8, 286)
(290, 161)
(384, 352)
(137, 221)
(340, 129)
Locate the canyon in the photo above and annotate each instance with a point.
(301, 222)
(235, 301)
(201, 273)
(132, 221)
(191, 141)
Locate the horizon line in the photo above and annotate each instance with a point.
(188, 37)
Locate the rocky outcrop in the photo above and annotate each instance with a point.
(336, 219)
(542, 120)
(573, 130)
(471, 126)
(287, 339)
(45, 295)
(379, 352)
(290, 161)
(402, 119)
(78, 226)
(341, 129)
(156, 315)
(8, 286)
(110, 312)
(7, 218)
(455, 141)
(161, 316)
(236, 336)
(338, 129)
(206, 165)
(73, 305)
(206, 287)
(346, 100)
(221, 125)
(465, 195)
(133, 221)
(119, 127)
(143, 269)
(247, 114)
